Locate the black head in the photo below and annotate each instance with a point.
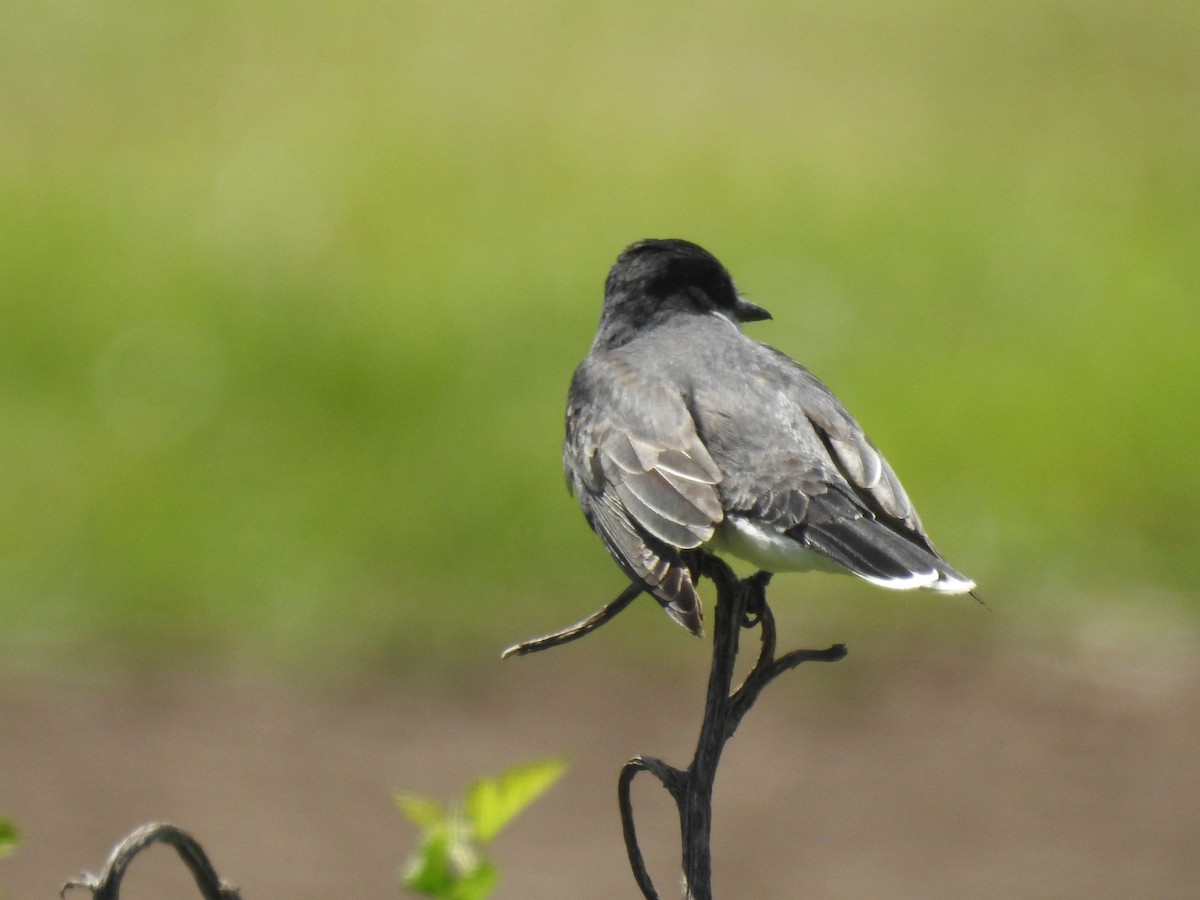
(653, 279)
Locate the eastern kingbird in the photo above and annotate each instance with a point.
(684, 434)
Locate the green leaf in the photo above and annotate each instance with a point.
(447, 862)
(478, 885)
(428, 870)
(10, 836)
(422, 811)
(493, 802)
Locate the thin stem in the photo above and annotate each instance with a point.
(740, 604)
(695, 812)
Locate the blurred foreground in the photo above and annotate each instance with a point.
(936, 775)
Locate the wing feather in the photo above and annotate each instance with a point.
(831, 490)
(645, 480)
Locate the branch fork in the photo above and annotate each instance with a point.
(741, 603)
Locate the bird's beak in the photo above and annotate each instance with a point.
(749, 312)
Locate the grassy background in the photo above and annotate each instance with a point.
(290, 294)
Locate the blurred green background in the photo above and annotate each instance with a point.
(290, 294)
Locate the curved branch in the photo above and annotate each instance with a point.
(672, 780)
(107, 885)
(579, 629)
(768, 668)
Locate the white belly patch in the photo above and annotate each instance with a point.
(767, 548)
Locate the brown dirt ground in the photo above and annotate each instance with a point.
(929, 777)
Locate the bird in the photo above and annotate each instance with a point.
(683, 434)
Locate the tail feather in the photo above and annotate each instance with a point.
(871, 550)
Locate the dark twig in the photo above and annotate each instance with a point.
(769, 668)
(740, 604)
(107, 885)
(579, 629)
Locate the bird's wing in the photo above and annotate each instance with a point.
(833, 491)
(646, 482)
(857, 460)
